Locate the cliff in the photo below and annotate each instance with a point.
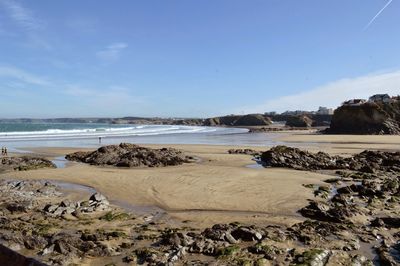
(367, 118)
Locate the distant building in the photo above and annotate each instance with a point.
(354, 102)
(324, 111)
(380, 98)
(297, 112)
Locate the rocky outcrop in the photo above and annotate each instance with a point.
(25, 163)
(366, 161)
(96, 203)
(367, 118)
(299, 121)
(244, 151)
(130, 155)
(238, 120)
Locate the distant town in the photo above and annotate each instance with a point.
(377, 98)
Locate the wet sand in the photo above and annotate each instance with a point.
(219, 187)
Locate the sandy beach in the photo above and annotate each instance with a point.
(219, 187)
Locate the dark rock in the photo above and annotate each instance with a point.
(24, 163)
(244, 151)
(391, 222)
(366, 118)
(130, 155)
(299, 121)
(370, 161)
(247, 234)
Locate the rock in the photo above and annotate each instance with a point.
(314, 257)
(217, 232)
(230, 238)
(283, 156)
(97, 197)
(387, 221)
(322, 211)
(299, 121)
(96, 203)
(246, 234)
(244, 151)
(48, 250)
(130, 155)
(366, 118)
(19, 207)
(25, 163)
(238, 120)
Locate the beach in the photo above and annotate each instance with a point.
(218, 187)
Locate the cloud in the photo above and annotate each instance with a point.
(24, 18)
(21, 15)
(112, 52)
(334, 93)
(21, 75)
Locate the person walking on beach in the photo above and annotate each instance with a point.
(2, 151)
(5, 151)
(99, 140)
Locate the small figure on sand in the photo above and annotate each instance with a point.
(99, 140)
(4, 151)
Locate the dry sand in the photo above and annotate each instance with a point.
(342, 144)
(218, 188)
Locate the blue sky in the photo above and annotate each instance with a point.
(193, 58)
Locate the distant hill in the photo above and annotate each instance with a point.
(248, 120)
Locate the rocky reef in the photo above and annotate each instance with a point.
(366, 161)
(366, 118)
(25, 163)
(244, 151)
(130, 155)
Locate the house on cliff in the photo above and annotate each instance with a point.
(380, 98)
(354, 102)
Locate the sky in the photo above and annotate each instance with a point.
(193, 58)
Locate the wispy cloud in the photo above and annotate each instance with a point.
(112, 52)
(25, 20)
(21, 15)
(333, 94)
(377, 15)
(22, 76)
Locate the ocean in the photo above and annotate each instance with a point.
(17, 136)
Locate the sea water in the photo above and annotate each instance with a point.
(17, 135)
